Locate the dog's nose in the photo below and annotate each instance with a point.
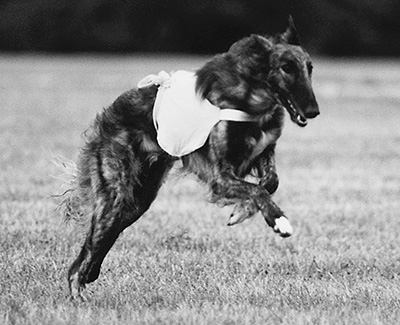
(312, 114)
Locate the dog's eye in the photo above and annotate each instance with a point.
(289, 68)
(310, 68)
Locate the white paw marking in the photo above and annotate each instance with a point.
(236, 217)
(239, 215)
(283, 227)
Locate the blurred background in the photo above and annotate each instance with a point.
(327, 27)
(63, 61)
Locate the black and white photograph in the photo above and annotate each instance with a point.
(199, 162)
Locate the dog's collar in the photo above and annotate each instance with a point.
(163, 79)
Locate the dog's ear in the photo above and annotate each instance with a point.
(246, 47)
(247, 56)
(212, 72)
(290, 36)
(251, 55)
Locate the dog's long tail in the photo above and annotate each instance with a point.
(70, 200)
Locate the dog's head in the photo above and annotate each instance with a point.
(290, 76)
(281, 67)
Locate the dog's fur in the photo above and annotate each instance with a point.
(121, 167)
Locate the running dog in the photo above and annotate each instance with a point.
(128, 152)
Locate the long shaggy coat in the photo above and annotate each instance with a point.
(122, 167)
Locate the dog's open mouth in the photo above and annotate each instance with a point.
(296, 117)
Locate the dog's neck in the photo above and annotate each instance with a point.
(224, 85)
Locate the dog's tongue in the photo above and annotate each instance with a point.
(301, 121)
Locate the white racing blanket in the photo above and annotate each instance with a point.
(182, 119)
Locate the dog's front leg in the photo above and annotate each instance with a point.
(266, 169)
(250, 199)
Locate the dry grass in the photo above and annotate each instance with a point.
(180, 263)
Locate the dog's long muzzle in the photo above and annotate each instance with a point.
(300, 116)
(300, 110)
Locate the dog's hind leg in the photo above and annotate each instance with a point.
(105, 228)
(113, 212)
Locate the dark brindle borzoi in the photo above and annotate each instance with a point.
(122, 166)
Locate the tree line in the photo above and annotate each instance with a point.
(327, 27)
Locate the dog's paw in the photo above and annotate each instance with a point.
(76, 289)
(240, 213)
(283, 227)
(271, 183)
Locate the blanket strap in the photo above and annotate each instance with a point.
(237, 116)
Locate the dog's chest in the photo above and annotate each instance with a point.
(269, 133)
(259, 144)
(256, 145)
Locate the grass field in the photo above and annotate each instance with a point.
(180, 263)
